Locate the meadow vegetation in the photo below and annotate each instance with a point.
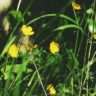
(52, 54)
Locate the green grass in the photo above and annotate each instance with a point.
(71, 71)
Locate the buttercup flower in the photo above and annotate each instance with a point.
(94, 36)
(27, 30)
(76, 6)
(51, 90)
(35, 45)
(54, 47)
(13, 51)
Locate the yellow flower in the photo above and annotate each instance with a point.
(94, 35)
(51, 90)
(35, 45)
(27, 30)
(13, 51)
(54, 47)
(76, 6)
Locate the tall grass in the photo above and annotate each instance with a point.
(71, 71)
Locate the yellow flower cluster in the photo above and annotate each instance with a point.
(13, 51)
(51, 90)
(27, 30)
(76, 6)
(54, 47)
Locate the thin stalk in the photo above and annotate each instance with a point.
(40, 79)
(51, 15)
(29, 83)
(19, 3)
(77, 33)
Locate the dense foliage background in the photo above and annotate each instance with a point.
(48, 49)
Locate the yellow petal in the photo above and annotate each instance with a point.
(35, 45)
(94, 36)
(27, 30)
(13, 51)
(51, 90)
(76, 6)
(54, 47)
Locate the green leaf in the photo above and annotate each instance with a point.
(64, 27)
(54, 59)
(8, 74)
(17, 15)
(20, 68)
